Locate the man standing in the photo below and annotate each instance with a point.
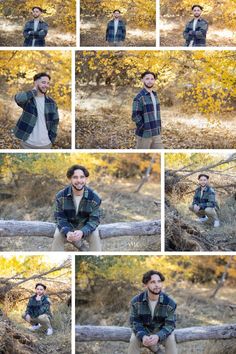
(196, 29)
(204, 201)
(116, 31)
(146, 115)
(38, 310)
(37, 126)
(152, 317)
(77, 212)
(35, 30)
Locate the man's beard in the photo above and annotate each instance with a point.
(149, 86)
(78, 189)
(44, 92)
(154, 292)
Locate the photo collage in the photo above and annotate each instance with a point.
(117, 177)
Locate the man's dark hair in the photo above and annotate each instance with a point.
(203, 175)
(38, 7)
(148, 73)
(40, 284)
(39, 75)
(147, 276)
(73, 168)
(200, 7)
(116, 11)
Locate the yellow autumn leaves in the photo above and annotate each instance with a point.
(18, 68)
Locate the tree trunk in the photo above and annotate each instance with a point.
(113, 333)
(46, 229)
(145, 178)
(223, 278)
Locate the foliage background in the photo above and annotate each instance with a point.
(17, 69)
(16, 287)
(60, 16)
(220, 16)
(196, 90)
(106, 284)
(139, 16)
(37, 177)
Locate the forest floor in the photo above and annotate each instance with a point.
(11, 35)
(93, 34)
(10, 113)
(194, 308)
(18, 339)
(119, 204)
(103, 120)
(184, 233)
(171, 34)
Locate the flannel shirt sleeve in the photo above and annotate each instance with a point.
(22, 98)
(41, 33)
(61, 220)
(93, 221)
(124, 31)
(27, 32)
(211, 203)
(53, 130)
(136, 324)
(137, 112)
(202, 32)
(195, 199)
(169, 325)
(28, 310)
(186, 34)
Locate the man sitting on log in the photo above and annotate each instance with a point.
(204, 203)
(38, 310)
(152, 317)
(77, 212)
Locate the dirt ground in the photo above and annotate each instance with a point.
(11, 35)
(10, 113)
(171, 34)
(195, 308)
(18, 339)
(93, 33)
(103, 120)
(119, 204)
(184, 233)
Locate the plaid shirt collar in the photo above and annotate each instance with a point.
(160, 298)
(70, 192)
(144, 91)
(205, 189)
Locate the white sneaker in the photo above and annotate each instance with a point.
(35, 327)
(49, 331)
(203, 219)
(216, 223)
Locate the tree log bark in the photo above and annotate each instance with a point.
(114, 333)
(46, 229)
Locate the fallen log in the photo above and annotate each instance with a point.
(46, 229)
(114, 333)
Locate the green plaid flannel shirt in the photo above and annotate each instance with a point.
(144, 116)
(207, 200)
(36, 308)
(88, 217)
(27, 120)
(163, 321)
